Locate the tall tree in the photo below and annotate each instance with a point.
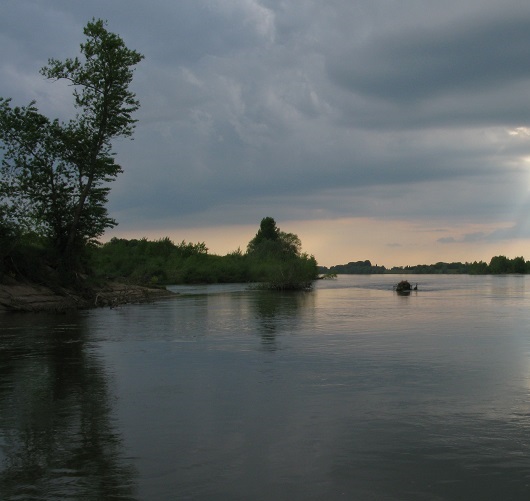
(270, 240)
(268, 231)
(278, 260)
(59, 171)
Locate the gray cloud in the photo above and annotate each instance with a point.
(464, 57)
(312, 109)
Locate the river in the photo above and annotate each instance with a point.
(349, 391)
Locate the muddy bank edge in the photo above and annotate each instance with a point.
(35, 298)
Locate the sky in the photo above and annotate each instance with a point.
(394, 131)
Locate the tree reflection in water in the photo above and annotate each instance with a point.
(57, 436)
(275, 310)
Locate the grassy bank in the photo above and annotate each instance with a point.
(163, 262)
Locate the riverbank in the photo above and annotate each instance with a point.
(29, 297)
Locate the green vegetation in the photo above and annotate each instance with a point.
(273, 258)
(54, 185)
(497, 265)
(54, 175)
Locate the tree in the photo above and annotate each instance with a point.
(290, 243)
(270, 240)
(267, 231)
(518, 265)
(499, 264)
(275, 259)
(57, 172)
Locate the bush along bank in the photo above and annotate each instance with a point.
(273, 258)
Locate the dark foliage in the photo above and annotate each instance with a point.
(357, 268)
(276, 262)
(497, 265)
(55, 175)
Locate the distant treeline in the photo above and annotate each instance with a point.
(497, 265)
(354, 268)
(272, 257)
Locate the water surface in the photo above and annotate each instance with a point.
(350, 391)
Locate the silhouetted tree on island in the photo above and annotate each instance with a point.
(271, 241)
(278, 255)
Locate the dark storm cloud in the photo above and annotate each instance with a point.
(316, 109)
(464, 57)
(464, 70)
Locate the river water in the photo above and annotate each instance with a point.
(349, 391)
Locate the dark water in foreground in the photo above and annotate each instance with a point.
(346, 392)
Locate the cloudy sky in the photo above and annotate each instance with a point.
(395, 131)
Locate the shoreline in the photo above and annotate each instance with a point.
(29, 297)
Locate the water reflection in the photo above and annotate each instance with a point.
(347, 392)
(57, 436)
(275, 310)
(462, 457)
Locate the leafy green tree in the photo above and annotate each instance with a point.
(271, 241)
(518, 265)
(187, 249)
(268, 231)
(477, 268)
(290, 243)
(275, 258)
(499, 264)
(57, 173)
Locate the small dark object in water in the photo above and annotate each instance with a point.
(404, 286)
